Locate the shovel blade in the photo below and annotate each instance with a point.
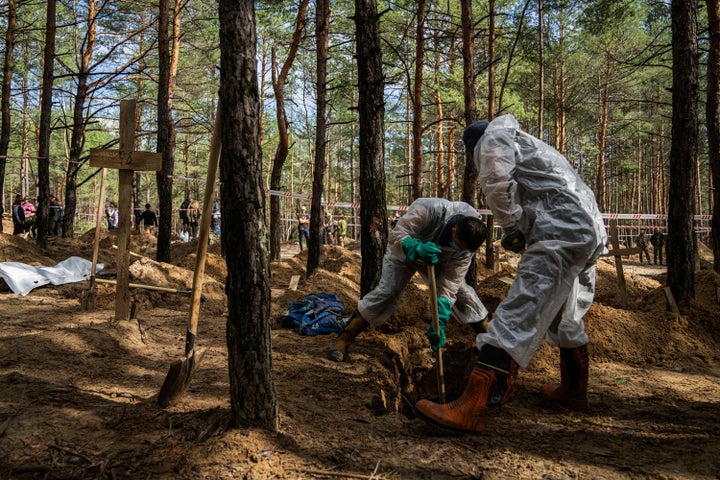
(178, 378)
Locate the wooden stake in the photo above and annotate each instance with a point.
(436, 327)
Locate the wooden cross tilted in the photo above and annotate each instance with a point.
(127, 161)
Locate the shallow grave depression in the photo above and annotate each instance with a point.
(406, 370)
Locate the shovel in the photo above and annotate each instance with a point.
(182, 370)
(436, 327)
(91, 297)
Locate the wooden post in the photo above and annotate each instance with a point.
(617, 252)
(127, 161)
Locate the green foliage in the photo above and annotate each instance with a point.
(621, 45)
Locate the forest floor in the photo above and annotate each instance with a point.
(78, 391)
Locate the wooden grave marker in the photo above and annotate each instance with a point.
(618, 253)
(127, 161)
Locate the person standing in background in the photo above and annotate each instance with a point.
(18, 215)
(341, 229)
(641, 242)
(657, 240)
(148, 219)
(303, 227)
(54, 217)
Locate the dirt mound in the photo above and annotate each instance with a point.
(79, 389)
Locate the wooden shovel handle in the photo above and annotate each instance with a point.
(436, 327)
(202, 247)
(98, 227)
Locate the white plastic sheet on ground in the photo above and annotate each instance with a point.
(22, 278)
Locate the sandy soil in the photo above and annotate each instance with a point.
(78, 391)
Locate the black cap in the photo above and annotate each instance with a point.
(472, 134)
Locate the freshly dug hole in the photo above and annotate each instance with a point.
(406, 370)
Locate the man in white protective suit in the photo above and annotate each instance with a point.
(539, 201)
(433, 230)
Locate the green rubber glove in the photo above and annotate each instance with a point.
(437, 339)
(415, 249)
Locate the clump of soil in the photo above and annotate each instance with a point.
(78, 389)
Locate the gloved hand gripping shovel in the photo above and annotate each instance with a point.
(436, 327)
(181, 371)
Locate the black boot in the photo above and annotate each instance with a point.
(355, 327)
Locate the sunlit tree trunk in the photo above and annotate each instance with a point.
(77, 137)
(44, 130)
(541, 72)
(417, 103)
(5, 99)
(371, 113)
(322, 31)
(167, 67)
(278, 82)
(252, 391)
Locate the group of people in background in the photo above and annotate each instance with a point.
(657, 240)
(190, 214)
(334, 230)
(24, 216)
(147, 220)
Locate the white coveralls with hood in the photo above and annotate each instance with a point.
(531, 187)
(427, 219)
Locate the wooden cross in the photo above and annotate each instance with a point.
(127, 161)
(617, 252)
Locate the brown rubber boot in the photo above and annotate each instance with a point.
(355, 327)
(489, 386)
(572, 391)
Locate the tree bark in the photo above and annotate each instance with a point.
(5, 98)
(44, 130)
(541, 72)
(712, 113)
(681, 241)
(77, 136)
(470, 176)
(165, 133)
(278, 83)
(417, 126)
(371, 113)
(252, 391)
(600, 184)
(322, 31)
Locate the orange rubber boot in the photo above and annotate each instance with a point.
(489, 386)
(355, 327)
(572, 391)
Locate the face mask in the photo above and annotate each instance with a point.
(454, 246)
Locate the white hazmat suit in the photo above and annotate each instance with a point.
(426, 219)
(531, 186)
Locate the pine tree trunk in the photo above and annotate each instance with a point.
(322, 31)
(371, 113)
(165, 133)
(681, 246)
(281, 153)
(6, 91)
(712, 113)
(252, 391)
(417, 103)
(43, 170)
